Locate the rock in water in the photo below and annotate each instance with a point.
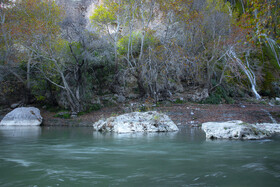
(137, 122)
(273, 128)
(234, 130)
(23, 116)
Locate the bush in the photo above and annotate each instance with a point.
(93, 107)
(213, 99)
(40, 98)
(64, 115)
(179, 101)
(53, 108)
(144, 108)
(218, 96)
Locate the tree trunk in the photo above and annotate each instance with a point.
(28, 85)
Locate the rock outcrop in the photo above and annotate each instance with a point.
(272, 128)
(23, 116)
(239, 130)
(137, 122)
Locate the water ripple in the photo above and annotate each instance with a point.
(19, 161)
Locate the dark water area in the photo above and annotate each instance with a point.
(53, 156)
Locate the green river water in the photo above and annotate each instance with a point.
(52, 156)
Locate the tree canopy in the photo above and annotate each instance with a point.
(67, 53)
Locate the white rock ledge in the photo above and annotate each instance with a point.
(137, 122)
(23, 116)
(238, 130)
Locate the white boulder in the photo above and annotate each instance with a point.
(137, 122)
(236, 130)
(273, 128)
(23, 116)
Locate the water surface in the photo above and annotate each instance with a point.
(52, 156)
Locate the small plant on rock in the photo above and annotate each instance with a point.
(156, 118)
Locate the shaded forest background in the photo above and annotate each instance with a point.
(80, 55)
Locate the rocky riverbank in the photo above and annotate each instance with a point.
(182, 114)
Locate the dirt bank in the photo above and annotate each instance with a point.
(182, 114)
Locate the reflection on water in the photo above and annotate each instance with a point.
(20, 131)
(135, 135)
(51, 156)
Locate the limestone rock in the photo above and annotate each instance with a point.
(137, 122)
(200, 95)
(234, 130)
(120, 98)
(15, 105)
(23, 116)
(273, 128)
(194, 93)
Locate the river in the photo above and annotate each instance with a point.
(55, 156)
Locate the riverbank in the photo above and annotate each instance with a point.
(182, 114)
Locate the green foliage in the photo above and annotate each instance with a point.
(61, 45)
(40, 89)
(143, 108)
(102, 15)
(91, 108)
(11, 89)
(262, 102)
(104, 75)
(52, 108)
(40, 98)
(113, 114)
(156, 118)
(238, 8)
(268, 55)
(179, 101)
(220, 95)
(218, 5)
(270, 73)
(244, 124)
(267, 83)
(64, 115)
(135, 42)
(94, 107)
(213, 99)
